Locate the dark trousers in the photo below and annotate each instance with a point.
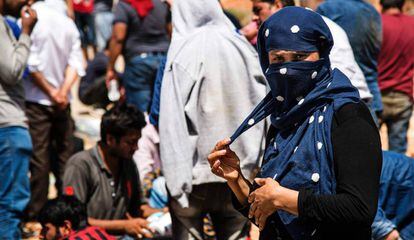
(213, 199)
(51, 131)
(86, 27)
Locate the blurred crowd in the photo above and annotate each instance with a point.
(190, 74)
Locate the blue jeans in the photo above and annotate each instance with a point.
(138, 79)
(15, 153)
(103, 28)
(396, 116)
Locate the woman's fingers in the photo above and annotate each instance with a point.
(252, 210)
(258, 214)
(252, 197)
(216, 169)
(262, 221)
(222, 144)
(215, 155)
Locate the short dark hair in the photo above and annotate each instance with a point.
(64, 208)
(285, 3)
(120, 119)
(387, 4)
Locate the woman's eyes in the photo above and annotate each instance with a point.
(278, 59)
(290, 58)
(300, 57)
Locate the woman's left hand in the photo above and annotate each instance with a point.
(269, 198)
(263, 201)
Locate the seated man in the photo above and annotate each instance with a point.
(92, 86)
(66, 218)
(395, 215)
(106, 179)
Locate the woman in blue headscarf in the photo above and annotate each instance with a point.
(320, 175)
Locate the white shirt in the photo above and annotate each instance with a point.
(55, 46)
(342, 57)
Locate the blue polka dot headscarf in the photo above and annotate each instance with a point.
(303, 99)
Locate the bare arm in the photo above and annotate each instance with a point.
(14, 56)
(132, 226)
(148, 211)
(70, 12)
(113, 226)
(71, 76)
(241, 188)
(40, 81)
(115, 47)
(225, 164)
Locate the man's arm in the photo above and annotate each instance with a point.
(115, 47)
(40, 81)
(70, 78)
(70, 12)
(148, 211)
(132, 226)
(14, 57)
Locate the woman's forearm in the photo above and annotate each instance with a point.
(241, 188)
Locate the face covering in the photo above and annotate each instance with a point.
(290, 82)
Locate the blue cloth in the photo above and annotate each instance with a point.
(15, 153)
(158, 195)
(300, 156)
(14, 27)
(362, 23)
(155, 106)
(396, 197)
(138, 79)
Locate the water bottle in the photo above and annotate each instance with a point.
(113, 91)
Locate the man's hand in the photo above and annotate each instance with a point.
(394, 235)
(224, 162)
(264, 201)
(29, 19)
(59, 98)
(110, 75)
(137, 227)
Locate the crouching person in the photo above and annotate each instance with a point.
(66, 218)
(106, 179)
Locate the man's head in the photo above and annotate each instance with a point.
(12, 7)
(61, 217)
(388, 4)
(121, 129)
(262, 9)
(312, 4)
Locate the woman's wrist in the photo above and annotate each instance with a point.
(240, 188)
(286, 199)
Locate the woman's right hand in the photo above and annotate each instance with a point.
(224, 162)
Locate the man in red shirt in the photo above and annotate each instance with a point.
(65, 218)
(396, 70)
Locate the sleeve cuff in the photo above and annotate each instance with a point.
(243, 209)
(303, 197)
